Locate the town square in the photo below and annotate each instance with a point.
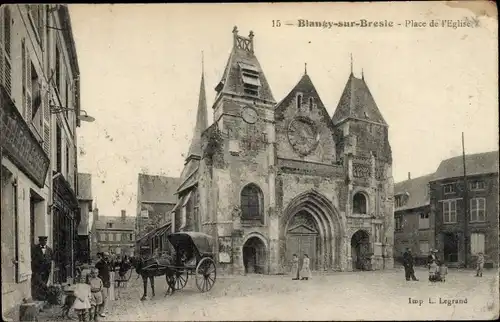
(244, 168)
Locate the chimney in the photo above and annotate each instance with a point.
(124, 215)
(96, 214)
(409, 176)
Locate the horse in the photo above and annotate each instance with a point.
(151, 270)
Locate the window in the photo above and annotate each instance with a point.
(299, 101)
(311, 103)
(399, 201)
(111, 236)
(144, 213)
(5, 48)
(251, 202)
(449, 188)
(58, 70)
(424, 247)
(449, 211)
(423, 221)
(477, 185)
(36, 113)
(102, 236)
(118, 237)
(109, 225)
(130, 237)
(59, 149)
(359, 204)
(398, 222)
(477, 243)
(67, 161)
(36, 18)
(67, 93)
(478, 209)
(250, 78)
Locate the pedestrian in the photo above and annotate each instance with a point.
(104, 267)
(432, 257)
(480, 264)
(305, 272)
(295, 267)
(96, 288)
(408, 265)
(82, 298)
(41, 264)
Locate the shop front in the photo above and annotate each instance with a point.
(24, 196)
(66, 216)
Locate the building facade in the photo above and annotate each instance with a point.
(413, 219)
(85, 199)
(115, 234)
(38, 69)
(466, 214)
(269, 179)
(156, 198)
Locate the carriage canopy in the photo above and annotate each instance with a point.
(184, 241)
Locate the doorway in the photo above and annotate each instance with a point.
(254, 256)
(360, 251)
(450, 247)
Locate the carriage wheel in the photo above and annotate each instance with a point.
(205, 274)
(181, 278)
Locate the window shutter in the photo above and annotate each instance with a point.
(1, 49)
(46, 123)
(29, 86)
(23, 75)
(6, 68)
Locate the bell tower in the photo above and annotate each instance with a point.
(239, 173)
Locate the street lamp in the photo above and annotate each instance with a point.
(85, 117)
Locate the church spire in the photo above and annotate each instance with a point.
(201, 118)
(351, 64)
(305, 68)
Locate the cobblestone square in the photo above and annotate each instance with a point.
(378, 295)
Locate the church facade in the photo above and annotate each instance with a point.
(271, 179)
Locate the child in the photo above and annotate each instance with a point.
(433, 271)
(96, 301)
(82, 298)
(443, 271)
(480, 264)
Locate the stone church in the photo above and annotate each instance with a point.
(271, 179)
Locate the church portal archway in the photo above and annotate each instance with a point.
(312, 226)
(254, 256)
(360, 251)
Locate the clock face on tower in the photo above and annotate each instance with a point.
(303, 135)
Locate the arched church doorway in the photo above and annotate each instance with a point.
(302, 238)
(254, 256)
(360, 251)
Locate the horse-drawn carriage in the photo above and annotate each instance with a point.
(192, 255)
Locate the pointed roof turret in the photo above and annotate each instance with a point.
(357, 102)
(243, 75)
(201, 122)
(189, 173)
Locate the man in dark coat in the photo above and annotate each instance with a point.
(41, 265)
(408, 265)
(104, 267)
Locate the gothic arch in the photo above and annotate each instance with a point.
(255, 253)
(327, 220)
(251, 189)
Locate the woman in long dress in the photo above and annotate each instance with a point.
(305, 272)
(295, 267)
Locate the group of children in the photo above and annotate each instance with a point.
(88, 295)
(438, 272)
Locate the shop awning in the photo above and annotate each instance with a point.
(163, 229)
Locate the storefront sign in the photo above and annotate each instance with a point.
(19, 143)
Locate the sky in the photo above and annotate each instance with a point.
(140, 70)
